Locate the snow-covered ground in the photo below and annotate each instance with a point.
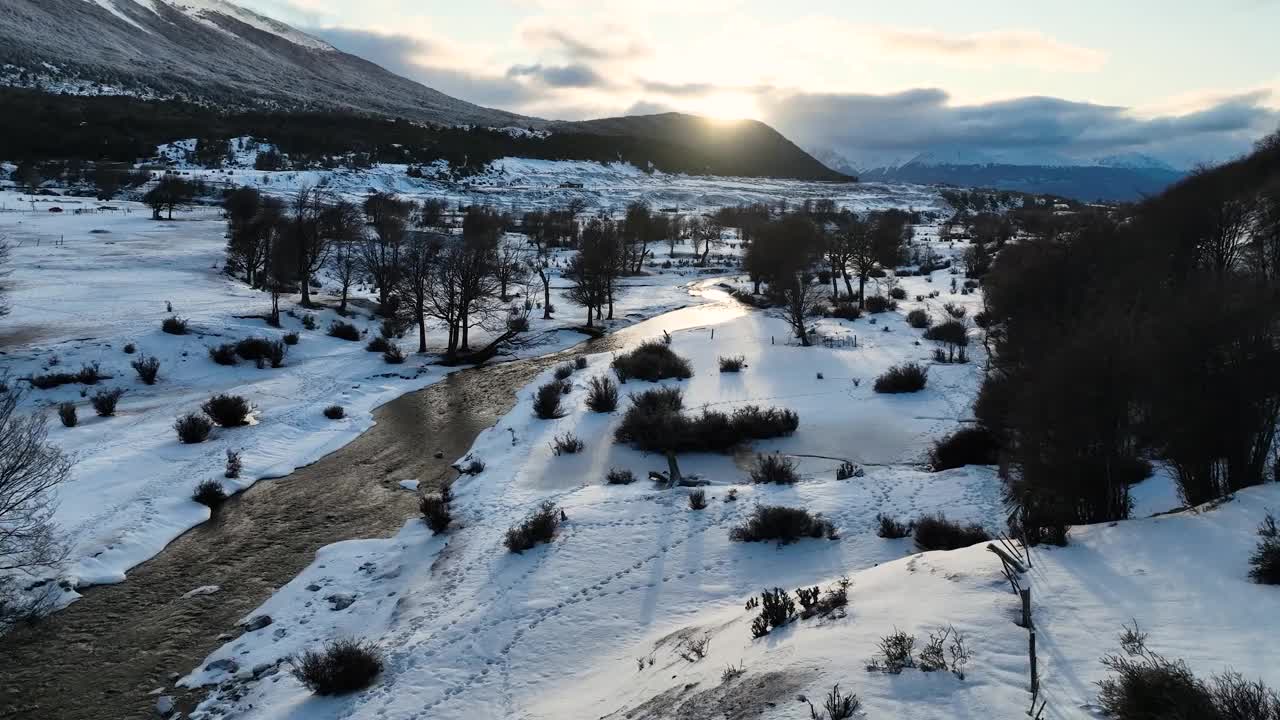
(522, 184)
(87, 282)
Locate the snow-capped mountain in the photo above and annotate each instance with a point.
(1127, 176)
(208, 51)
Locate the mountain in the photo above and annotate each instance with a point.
(216, 58)
(1113, 178)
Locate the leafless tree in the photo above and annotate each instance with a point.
(416, 281)
(345, 262)
(6, 253)
(801, 299)
(511, 266)
(30, 469)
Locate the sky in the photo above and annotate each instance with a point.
(1185, 81)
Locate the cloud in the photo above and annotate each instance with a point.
(621, 45)
(860, 125)
(559, 76)
(1012, 47)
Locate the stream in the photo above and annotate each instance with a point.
(106, 655)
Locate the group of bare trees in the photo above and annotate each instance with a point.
(1153, 335)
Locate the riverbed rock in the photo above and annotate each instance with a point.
(226, 665)
(340, 601)
(164, 706)
(257, 622)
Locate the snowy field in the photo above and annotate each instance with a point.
(86, 284)
(520, 184)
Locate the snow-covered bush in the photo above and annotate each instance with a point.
(209, 493)
(563, 372)
(539, 527)
(130, 348)
(291, 338)
(775, 469)
(1264, 564)
(751, 422)
(174, 325)
(435, 510)
(566, 444)
(732, 364)
(845, 310)
(652, 361)
(896, 653)
(879, 304)
(227, 410)
(898, 293)
(192, 428)
(956, 311)
(393, 355)
(776, 609)
(836, 706)
(67, 414)
(148, 369)
(891, 528)
(602, 394)
(378, 344)
(88, 374)
(580, 362)
(936, 532)
(344, 331)
(224, 354)
(104, 401)
(618, 476)
(966, 446)
(343, 666)
(233, 465)
(918, 319)
(697, 499)
(335, 412)
(905, 378)
(784, 524)
(546, 402)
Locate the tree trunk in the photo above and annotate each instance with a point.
(546, 294)
(422, 331)
(835, 289)
(862, 292)
(673, 470)
(848, 286)
(589, 319)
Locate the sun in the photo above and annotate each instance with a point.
(727, 107)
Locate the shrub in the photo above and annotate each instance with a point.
(918, 319)
(732, 364)
(936, 532)
(776, 609)
(255, 349)
(174, 325)
(546, 402)
(474, 467)
(104, 401)
(378, 344)
(130, 349)
(518, 323)
(753, 423)
(393, 355)
(982, 319)
(945, 651)
(580, 362)
(224, 354)
(148, 369)
(880, 303)
(836, 706)
(291, 338)
(309, 321)
(891, 528)
(1146, 685)
(335, 412)
(620, 477)
(905, 378)
(966, 446)
(227, 410)
(233, 464)
(898, 293)
(88, 374)
(956, 311)
(848, 470)
(209, 493)
(777, 469)
(538, 527)
(192, 428)
(697, 499)
(566, 444)
(694, 649)
(602, 394)
(343, 666)
(276, 350)
(563, 372)
(896, 653)
(784, 524)
(652, 361)
(344, 331)
(67, 414)
(1265, 562)
(435, 510)
(846, 310)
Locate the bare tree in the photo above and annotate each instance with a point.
(6, 253)
(593, 270)
(416, 279)
(801, 299)
(511, 266)
(874, 245)
(170, 193)
(705, 232)
(30, 469)
(380, 250)
(345, 262)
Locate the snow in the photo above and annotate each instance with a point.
(86, 282)
(470, 630)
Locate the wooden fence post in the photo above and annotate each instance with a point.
(1026, 607)
(1035, 676)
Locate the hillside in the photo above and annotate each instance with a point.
(211, 70)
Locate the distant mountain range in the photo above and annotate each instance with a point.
(1129, 176)
(217, 55)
